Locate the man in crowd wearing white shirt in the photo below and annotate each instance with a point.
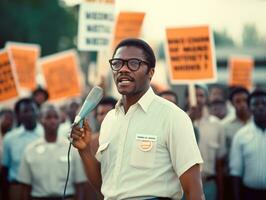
(16, 141)
(248, 153)
(43, 168)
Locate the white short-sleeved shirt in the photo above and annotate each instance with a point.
(248, 156)
(14, 144)
(211, 141)
(44, 167)
(145, 151)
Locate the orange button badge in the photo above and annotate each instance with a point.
(145, 145)
(145, 142)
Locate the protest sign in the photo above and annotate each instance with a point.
(190, 52)
(95, 29)
(62, 75)
(128, 25)
(8, 82)
(24, 57)
(240, 71)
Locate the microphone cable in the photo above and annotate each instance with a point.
(68, 170)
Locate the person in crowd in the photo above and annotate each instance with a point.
(7, 120)
(238, 98)
(247, 156)
(169, 95)
(105, 105)
(43, 169)
(219, 93)
(71, 111)
(216, 92)
(144, 152)
(218, 108)
(211, 144)
(14, 144)
(6, 124)
(40, 96)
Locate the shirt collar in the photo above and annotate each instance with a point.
(144, 101)
(256, 128)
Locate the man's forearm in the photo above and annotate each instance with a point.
(92, 168)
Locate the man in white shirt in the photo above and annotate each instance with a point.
(43, 167)
(147, 145)
(247, 157)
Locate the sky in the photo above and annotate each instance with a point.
(229, 15)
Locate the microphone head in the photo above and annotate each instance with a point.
(96, 94)
(91, 101)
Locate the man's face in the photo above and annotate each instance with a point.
(216, 93)
(201, 97)
(101, 112)
(40, 98)
(239, 101)
(218, 109)
(258, 107)
(51, 120)
(28, 114)
(129, 82)
(72, 110)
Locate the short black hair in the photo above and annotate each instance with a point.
(23, 101)
(41, 90)
(148, 52)
(169, 92)
(48, 106)
(237, 90)
(256, 93)
(108, 100)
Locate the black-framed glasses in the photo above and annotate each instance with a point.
(133, 63)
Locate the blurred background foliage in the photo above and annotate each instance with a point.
(45, 22)
(54, 26)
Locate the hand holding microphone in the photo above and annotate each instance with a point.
(81, 132)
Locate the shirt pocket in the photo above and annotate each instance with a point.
(143, 153)
(102, 155)
(101, 152)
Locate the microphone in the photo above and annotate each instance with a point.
(91, 101)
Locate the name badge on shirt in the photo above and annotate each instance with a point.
(145, 142)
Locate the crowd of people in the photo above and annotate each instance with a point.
(147, 147)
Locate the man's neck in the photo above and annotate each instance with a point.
(131, 100)
(50, 137)
(261, 124)
(30, 128)
(243, 117)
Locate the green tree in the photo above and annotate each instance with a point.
(45, 22)
(250, 36)
(223, 39)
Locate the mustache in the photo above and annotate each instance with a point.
(125, 75)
